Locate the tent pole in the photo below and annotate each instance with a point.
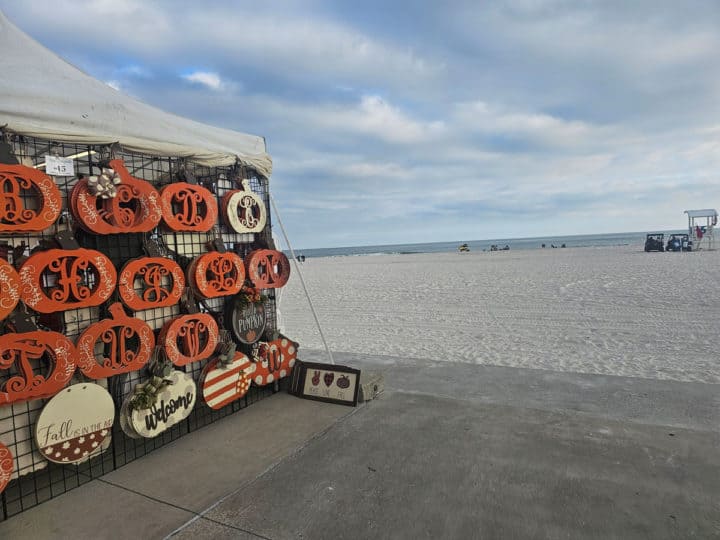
(302, 280)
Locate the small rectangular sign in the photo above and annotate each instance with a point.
(325, 382)
(59, 166)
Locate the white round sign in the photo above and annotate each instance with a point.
(75, 423)
(174, 403)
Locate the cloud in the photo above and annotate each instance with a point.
(206, 78)
(420, 122)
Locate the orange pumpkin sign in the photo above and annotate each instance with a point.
(128, 343)
(14, 215)
(243, 210)
(161, 282)
(216, 274)
(187, 207)
(59, 279)
(135, 208)
(19, 352)
(274, 360)
(9, 288)
(268, 268)
(189, 338)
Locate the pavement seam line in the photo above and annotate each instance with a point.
(319, 434)
(182, 508)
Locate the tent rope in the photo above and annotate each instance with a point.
(302, 280)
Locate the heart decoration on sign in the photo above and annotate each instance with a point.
(135, 207)
(76, 424)
(189, 338)
(19, 183)
(127, 345)
(224, 383)
(161, 282)
(6, 466)
(20, 352)
(80, 277)
(9, 288)
(188, 207)
(244, 211)
(268, 268)
(173, 403)
(216, 274)
(274, 360)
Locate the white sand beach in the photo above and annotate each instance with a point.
(614, 311)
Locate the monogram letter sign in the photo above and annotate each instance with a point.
(274, 360)
(268, 269)
(160, 281)
(6, 466)
(9, 288)
(59, 279)
(20, 353)
(135, 207)
(216, 274)
(38, 186)
(126, 343)
(73, 425)
(189, 338)
(244, 211)
(187, 207)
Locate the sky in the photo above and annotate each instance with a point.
(414, 121)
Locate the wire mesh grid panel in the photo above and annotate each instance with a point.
(35, 479)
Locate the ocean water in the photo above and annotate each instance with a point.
(589, 240)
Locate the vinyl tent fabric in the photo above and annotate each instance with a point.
(44, 96)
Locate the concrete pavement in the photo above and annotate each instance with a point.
(448, 451)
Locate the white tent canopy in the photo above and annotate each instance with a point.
(43, 96)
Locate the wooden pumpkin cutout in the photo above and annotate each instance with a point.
(21, 351)
(268, 268)
(244, 211)
(223, 384)
(76, 424)
(216, 274)
(59, 279)
(128, 345)
(188, 207)
(135, 208)
(9, 288)
(153, 273)
(6, 466)
(18, 185)
(274, 360)
(189, 338)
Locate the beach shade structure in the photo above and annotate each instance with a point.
(47, 98)
(701, 224)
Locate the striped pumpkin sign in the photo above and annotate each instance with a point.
(222, 385)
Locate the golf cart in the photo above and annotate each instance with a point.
(679, 242)
(654, 242)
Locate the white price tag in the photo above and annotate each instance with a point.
(59, 166)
